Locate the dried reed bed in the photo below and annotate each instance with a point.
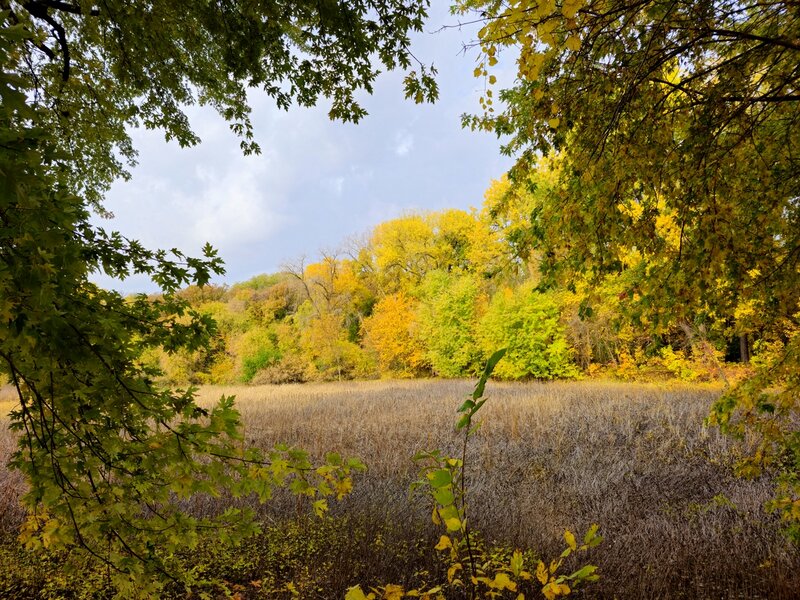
(634, 458)
(11, 484)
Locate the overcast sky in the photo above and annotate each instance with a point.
(317, 182)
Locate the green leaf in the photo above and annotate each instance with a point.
(443, 496)
(467, 406)
(440, 478)
(591, 534)
(453, 524)
(487, 372)
(583, 573)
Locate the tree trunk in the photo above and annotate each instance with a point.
(744, 348)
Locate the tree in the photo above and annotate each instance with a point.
(527, 324)
(391, 332)
(107, 453)
(677, 124)
(403, 251)
(448, 315)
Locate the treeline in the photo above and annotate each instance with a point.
(434, 294)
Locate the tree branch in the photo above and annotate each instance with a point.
(38, 9)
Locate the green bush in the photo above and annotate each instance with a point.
(447, 316)
(262, 358)
(527, 323)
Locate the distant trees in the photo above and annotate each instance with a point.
(476, 285)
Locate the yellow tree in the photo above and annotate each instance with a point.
(466, 243)
(392, 333)
(403, 251)
(329, 319)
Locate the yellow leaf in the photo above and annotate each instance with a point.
(541, 573)
(544, 8)
(355, 593)
(553, 589)
(570, 8)
(503, 582)
(554, 122)
(444, 543)
(320, 507)
(570, 539)
(516, 563)
(451, 572)
(492, 80)
(453, 524)
(430, 592)
(393, 592)
(573, 43)
(343, 487)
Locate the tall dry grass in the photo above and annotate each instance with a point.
(11, 484)
(634, 458)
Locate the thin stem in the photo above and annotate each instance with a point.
(464, 525)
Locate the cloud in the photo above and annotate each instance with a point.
(318, 181)
(235, 208)
(404, 142)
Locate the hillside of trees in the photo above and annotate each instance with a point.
(434, 294)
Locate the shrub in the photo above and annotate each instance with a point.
(289, 369)
(527, 323)
(447, 317)
(256, 349)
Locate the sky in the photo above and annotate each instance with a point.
(317, 183)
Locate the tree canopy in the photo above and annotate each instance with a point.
(676, 127)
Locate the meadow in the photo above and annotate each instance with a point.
(634, 458)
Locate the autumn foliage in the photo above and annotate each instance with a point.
(434, 294)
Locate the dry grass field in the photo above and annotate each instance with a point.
(634, 458)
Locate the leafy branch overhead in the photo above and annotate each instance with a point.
(676, 126)
(94, 71)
